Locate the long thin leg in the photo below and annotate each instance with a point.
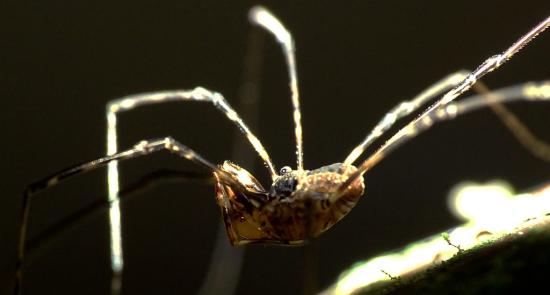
(405, 108)
(50, 235)
(141, 149)
(131, 102)
(522, 134)
(260, 16)
(197, 94)
(531, 91)
(425, 120)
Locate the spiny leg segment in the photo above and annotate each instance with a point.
(405, 108)
(531, 91)
(141, 149)
(430, 115)
(131, 102)
(262, 17)
(258, 16)
(197, 94)
(521, 132)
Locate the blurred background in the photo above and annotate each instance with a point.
(61, 61)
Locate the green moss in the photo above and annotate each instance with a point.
(512, 264)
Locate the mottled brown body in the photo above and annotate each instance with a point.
(297, 207)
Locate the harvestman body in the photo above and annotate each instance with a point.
(300, 203)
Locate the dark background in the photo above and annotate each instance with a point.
(61, 61)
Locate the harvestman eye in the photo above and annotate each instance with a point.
(285, 170)
(299, 204)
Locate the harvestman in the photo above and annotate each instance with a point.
(300, 204)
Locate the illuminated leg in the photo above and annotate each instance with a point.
(405, 108)
(531, 91)
(262, 17)
(425, 120)
(197, 94)
(522, 134)
(73, 221)
(141, 149)
(131, 102)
